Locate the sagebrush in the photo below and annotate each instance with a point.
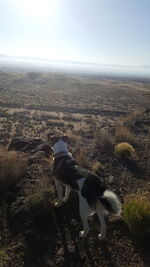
(137, 215)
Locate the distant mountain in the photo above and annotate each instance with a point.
(70, 64)
(3, 56)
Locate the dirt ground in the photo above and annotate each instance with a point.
(34, 104)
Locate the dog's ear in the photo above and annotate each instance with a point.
(65, 138)
(49, 135)
(53, 139)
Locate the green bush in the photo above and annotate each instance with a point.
(124, 150)
(137, 215)
(3, 257)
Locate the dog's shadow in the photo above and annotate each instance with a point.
(72, 255)
(84, 252)
(78, 251)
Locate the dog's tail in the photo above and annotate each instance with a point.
(111, 202)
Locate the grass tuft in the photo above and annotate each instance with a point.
(12, 170)
(3, 257)
(123, 134)
(103, 142)
(137, 215)
(40, 203)
(97, 168)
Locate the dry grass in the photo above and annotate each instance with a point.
(123, 134)
(103, 142)
(82, 156)
(97, 168)
(129, 120)
(40, 203)
(137, 214)
(42, 184)
(12, 169)
(39, 198)
(124, 150)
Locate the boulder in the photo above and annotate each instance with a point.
(46, 148)
(32, 145)
(24, 144)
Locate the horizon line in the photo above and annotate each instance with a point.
(74, 61)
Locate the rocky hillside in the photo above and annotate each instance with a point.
(33, 233)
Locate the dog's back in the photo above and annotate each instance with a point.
(67, 171)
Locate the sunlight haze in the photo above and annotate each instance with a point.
(102, 31)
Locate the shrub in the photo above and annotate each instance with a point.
(137, 215)
(39, 197)
(3, 257)
(12, 170)
(103, 141)
(122, 134)
(82, 156)
(42, 184)
(124, 150)
(39, 203)
(74, 140)
(129, 120)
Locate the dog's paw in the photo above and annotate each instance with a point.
(82, 234)
(57, 203)
(101, 237)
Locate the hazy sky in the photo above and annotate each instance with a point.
(103, 31)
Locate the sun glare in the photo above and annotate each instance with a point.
(40, 9)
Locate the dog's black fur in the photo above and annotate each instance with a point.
(67, 170)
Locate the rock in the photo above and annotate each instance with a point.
(32, 145)
(46, 148)
(36, 158)
(24, 144)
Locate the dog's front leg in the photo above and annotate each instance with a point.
(67, 192)
(59, 193)
(83, 209)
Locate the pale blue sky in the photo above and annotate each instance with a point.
(102, 31)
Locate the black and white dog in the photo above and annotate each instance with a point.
(93, 194)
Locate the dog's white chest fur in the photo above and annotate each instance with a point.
(61, 146)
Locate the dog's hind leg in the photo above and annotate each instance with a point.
(59, 193)
(84, 212)
(67, 192)
(101, 214)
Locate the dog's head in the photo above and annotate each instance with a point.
(55, 139)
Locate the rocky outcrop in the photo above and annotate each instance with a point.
(31, 145)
